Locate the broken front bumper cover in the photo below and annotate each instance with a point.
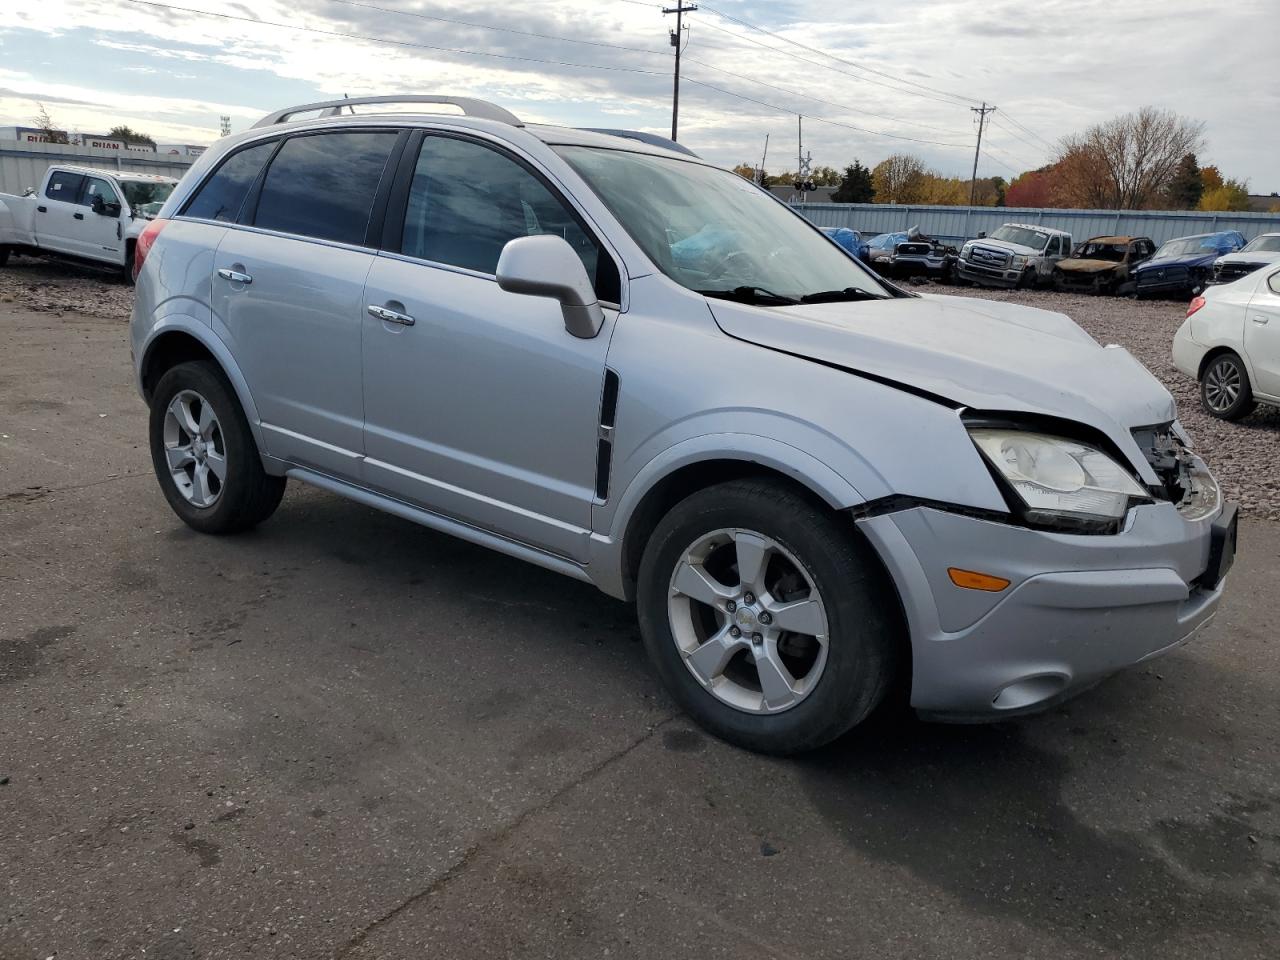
(1078, 607)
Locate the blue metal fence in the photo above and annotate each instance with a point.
(957, 224)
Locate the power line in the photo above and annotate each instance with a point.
(1022, 126)
(1017, 136)
(851, 63)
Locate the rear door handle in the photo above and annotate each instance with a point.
(391, 316)
(1260, 319)
(42, 209)
(235, 276)
(77, 216)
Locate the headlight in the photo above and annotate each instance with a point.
(1056, 477)
(1018, 262)
(966, 249)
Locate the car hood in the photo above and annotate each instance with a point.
(980, 354)
(1185, 260)
(1016, 248)
(1253, 256)
(1072, 265)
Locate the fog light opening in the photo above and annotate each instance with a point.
(1029, 691)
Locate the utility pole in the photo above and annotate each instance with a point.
(680, 9)
(802, 161)
(760, 174)
(982, 112)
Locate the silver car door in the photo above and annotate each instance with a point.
(478, 404)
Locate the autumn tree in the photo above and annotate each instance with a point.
(1231, 195)
(1186, 188)
(855, 185)
(746, 171)
(1128, 162)
(898, 179)
(825, 177)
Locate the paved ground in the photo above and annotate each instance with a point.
(345, 736)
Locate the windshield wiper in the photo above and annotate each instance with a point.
(835, 296)
(756, 295)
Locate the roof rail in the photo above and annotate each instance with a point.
(332, 108)
(652, 139)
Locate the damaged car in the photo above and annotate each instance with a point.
(1103, 265)
(818, 490)
(1183, 267)
(1259, 252)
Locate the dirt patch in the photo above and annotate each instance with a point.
(59, 288)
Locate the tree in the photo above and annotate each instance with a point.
(1232, 195)
(44, 123)
(898, 179)
(855, 185)
(1186, 188)
(989, 192)
(825, 177)
(129, 135)
(1211, 177)
(1128, 162)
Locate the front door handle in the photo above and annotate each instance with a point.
(1260, 319)
(235, 276)
(42, 209)
(391, 316)
(77, 216)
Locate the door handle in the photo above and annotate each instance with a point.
(77, 216)
(235, 276)
(42, 209)
(1260, 319)
(391, 316)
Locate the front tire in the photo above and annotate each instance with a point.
(204, 453)
(1225, 391)
(4, 255)
(772, 627)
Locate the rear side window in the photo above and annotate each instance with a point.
(222, 195)
(467, 201)
(64, 186)
(323, 185)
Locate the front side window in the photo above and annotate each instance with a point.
(467, 201)
(1267, 243)
(64, 186)
(222, 195)
(323, 185)
(714, 232)
(98, 188)
(146, 197)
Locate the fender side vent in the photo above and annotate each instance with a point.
(604, 447)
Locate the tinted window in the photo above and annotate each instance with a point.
(63, 186)
(467, 201)
(222, 194)
(323, 186)
(98, 188)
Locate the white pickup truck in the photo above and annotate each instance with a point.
(84, 214)
(1015, 255)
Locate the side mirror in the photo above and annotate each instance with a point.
(546, 266)
(104, 209)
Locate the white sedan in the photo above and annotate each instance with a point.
(1230, 342)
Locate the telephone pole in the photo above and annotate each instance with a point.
(982, 112)
(680, 9)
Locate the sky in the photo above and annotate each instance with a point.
(869, 78)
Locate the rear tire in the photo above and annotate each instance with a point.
(1225, 391)
(820, 607)
(4, 255)
(126, 272)
(204, 453)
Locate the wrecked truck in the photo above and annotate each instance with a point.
(1103, 265)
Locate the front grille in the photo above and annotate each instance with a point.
(1162, 275)
(1226, 272)
(987, 257)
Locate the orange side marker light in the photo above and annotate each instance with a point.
(972, 580)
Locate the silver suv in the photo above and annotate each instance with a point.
(600, 354)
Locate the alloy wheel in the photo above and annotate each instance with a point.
(1222, 385)
(748, 621)
(194, 449)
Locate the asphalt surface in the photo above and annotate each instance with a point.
(345, 736)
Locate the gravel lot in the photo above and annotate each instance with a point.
(1241, 454)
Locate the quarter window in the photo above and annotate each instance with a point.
(64, 186)
(466, 201)
(222, 195)
(323, 185)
